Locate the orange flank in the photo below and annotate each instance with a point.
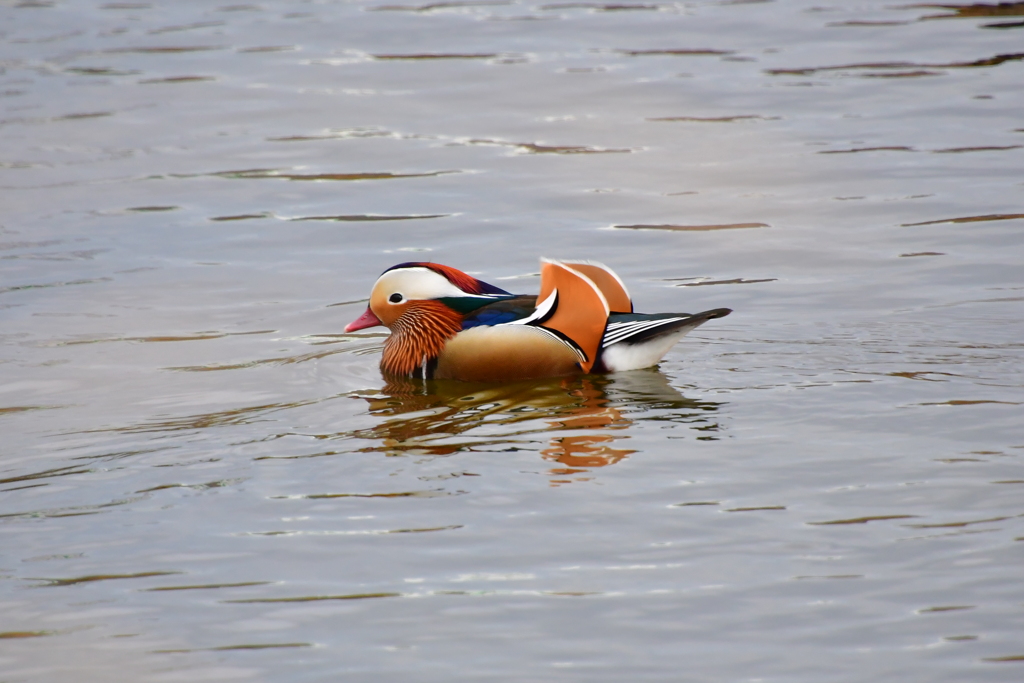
(489, 354)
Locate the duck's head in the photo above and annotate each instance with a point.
(407, 287)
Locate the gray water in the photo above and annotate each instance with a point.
(203, 478)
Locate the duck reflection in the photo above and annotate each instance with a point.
(444, 417)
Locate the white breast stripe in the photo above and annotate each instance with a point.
(543, 308)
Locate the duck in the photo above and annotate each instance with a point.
(447, 324)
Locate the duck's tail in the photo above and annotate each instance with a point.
(638, 340)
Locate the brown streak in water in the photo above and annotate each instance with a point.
(208, 586)
(292, 532)
(1004, 25)
(968, 403)
(100, 71)
(21, 409)
(24, 634)
(435, 493)
(868, 23)
(980, 9)
(755, 509)
(120, 455)
(439, 5)
(258, 646)
(57, 472)
(1008, 658)
(920, 375)
(534, 148)
(177, 79)
(555, 149)
(923, 253)
(198, 337)
(957, 150)
(243, 217)
(341, 135)
(20, 488)
(957, 524)
(861, 520)
(676, 53)
(969, 219)
(83, 115)
(692, 228)
(222, 648)
(988, 61)
(450, 527)
(184, 27)
(354, 218)
(268, 48)
(734, 281)
(830, 576)
(917, 73)
(161, 50)
(600, 7)
(101, 577)
(195, 487)
(437, 55)
(886, 148)
(444, 449)
(315, 598)
(945, 608)
(715, 119)
(263, 173)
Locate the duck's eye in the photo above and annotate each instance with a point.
(396, 298)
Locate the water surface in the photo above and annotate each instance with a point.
(203, 478)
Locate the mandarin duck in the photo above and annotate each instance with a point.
(446, 324)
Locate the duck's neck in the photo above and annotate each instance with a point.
(418, 337)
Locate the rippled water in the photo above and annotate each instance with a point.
(203, 478)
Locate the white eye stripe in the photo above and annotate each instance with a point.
(542, 309)
(417, 283)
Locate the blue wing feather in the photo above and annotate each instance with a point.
(499, 312)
